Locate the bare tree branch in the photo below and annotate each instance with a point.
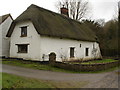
(77, 8)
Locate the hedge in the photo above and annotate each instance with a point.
(110, 52)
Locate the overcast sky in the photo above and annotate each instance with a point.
(100, 9)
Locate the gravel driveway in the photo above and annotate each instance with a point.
(100, 80)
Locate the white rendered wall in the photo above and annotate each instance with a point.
(40, 47)
(33, 39)
(4, 41)
(62, 48)
(0, 37)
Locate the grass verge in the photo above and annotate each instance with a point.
(100, 61)
(34, 65)
(0, 81)
(14, 81)
(39, 66)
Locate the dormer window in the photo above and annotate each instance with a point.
(24, 31)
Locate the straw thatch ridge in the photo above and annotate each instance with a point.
(52, 24)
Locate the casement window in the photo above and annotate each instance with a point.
(72, 52)
(86, 51)
(22, 48)
(24, 31)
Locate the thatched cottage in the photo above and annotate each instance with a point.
(37, 32)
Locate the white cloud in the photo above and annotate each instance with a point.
(104, 10)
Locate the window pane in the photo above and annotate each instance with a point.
(87, 51)
(24, 31)
(22, 48)
(71, 52)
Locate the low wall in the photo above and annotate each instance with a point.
(86, 67)
(74, 67)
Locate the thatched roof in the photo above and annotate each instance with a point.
(52, 24)
(4, 17)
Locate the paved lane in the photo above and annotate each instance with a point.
(105, 80)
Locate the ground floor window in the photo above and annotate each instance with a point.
(72, 52)
(22, 48)
(86, 51)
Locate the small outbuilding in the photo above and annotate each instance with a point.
(5, 23)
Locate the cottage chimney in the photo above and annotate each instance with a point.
(64, 11)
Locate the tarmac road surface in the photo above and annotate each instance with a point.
(97, 80)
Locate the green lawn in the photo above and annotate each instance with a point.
(34, 65)
(14, 81)
(0, 80)
(99, 61)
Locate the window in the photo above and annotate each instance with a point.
(24, 31)
(80, 45)
(22, 48)
(93, 46)
(86, 51)
(72, 52)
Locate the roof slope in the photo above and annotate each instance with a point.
(4, 17)
(49, 23)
